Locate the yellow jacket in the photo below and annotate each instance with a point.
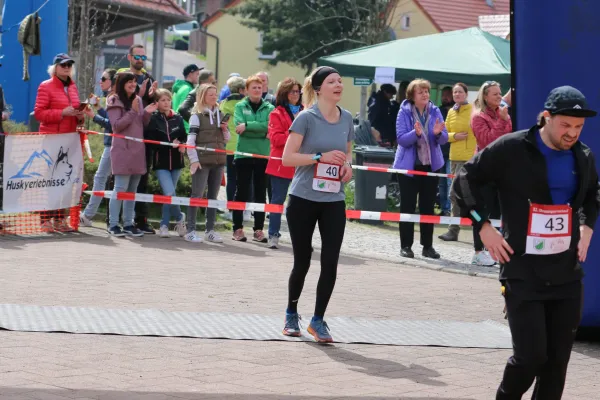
(456, 122)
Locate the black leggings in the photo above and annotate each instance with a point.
(302, 216)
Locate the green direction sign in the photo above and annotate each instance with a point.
(362, 81)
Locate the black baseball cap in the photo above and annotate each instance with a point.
(566, 100)
(190, 68)
(63, 58)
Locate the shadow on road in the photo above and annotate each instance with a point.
(380, 368)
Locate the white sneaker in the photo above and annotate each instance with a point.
(247, 215)
(181, 227)
(483, 259)
(84, 221)
(193, 237)
(273, 242)
(213, 237)
(163, 232)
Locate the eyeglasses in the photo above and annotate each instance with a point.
(137, 57)
(294, 92)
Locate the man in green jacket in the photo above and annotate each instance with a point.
(182, 87)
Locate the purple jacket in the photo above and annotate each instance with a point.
(127, 157)
(406, 154)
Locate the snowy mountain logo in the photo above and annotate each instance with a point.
(577, 107)
(36, 165)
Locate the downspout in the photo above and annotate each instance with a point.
(216, 53)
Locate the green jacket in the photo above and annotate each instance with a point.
(228, 107)
(181, 88)
(254, 139)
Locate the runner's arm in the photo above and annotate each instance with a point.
(591, 203)
(475, 174)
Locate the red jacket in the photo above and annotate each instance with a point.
(488, 126)
(279, 130)
(50, 101)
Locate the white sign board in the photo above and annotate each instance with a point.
(385, 75)
(42, 172)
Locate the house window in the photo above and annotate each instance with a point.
(261, 55)
(406, 22)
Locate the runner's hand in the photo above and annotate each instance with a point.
(493, 241)
(346, 173)
(584, 242)
(335, 157)
(195, 166)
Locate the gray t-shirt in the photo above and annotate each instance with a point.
(319, 136)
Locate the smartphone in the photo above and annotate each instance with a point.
(226, 118)
(82, 105)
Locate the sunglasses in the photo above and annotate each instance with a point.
(66, 65)
(143, 58)
(104, 79)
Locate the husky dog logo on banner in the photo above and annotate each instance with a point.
(42, 172)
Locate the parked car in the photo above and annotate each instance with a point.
(178, 36)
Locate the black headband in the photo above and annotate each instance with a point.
(319, 76)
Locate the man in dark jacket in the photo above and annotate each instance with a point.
(550, 197)
(380, 114)
(185, 109)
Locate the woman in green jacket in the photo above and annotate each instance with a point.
(251, 119)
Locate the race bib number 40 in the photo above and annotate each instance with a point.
(327, 178)
(549, 229)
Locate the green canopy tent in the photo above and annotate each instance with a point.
(471, 56)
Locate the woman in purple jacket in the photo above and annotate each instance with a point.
(128, 158)
(420, 131)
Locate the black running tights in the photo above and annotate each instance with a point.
(302, 217)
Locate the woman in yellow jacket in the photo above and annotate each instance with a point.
(462, 144)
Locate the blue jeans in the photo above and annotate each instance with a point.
(444, 188)
(100, 179)
(123, 183)
(279, 192)
(168, 183)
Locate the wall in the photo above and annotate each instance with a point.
(53, 31)
(238, 53)
(419, 23)
(540, 65)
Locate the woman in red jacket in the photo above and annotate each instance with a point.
(56, 109)
(490, 121)
(288, 105)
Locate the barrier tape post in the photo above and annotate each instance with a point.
(279, 209)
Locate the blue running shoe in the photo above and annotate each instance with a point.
(292, 325)
(320, 331)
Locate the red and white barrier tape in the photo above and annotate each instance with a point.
(278, 209)
(240, 153)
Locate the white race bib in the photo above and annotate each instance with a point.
(549, 230)
(327, 178)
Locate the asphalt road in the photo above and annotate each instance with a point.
(175, 60)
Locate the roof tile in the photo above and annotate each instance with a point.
(461, 14)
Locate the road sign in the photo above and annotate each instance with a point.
(362, 81)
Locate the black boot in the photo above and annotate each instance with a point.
(450, 236)
(430, 252)
(407, 252)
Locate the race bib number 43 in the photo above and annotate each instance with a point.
(549, 229)
(327, 178)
